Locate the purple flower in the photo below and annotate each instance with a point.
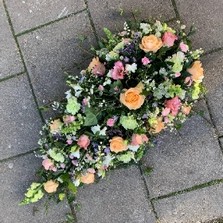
(107, 150)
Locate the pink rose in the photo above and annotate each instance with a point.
(110, 122)
(83, 141)
(118, 71)
(100, 88)
(145, 61)
(139, 139)
(68, 119)
(48, 165)
(169, 38)
(184, 47)
(174, 105)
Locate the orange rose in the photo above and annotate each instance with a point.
(186, 109)
(96, 67)
(132, 97)
(196, 71)
(118, 144)
(50, 186)
(88, 178)
(55, 126)
(151, 43)
(158, 126)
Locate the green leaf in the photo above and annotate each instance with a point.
(72, 187)
(90, 118)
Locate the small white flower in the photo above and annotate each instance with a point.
(146, 28)
(107, 82)
(131, 68)
(97, 129)
(68, 94)
(133, 148)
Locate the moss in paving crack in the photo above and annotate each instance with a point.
(196, 187)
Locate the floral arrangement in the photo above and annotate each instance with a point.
(141, 81)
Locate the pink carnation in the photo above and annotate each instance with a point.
(174, 105)
(184, 47)
(110, 122)
(118, 71)
(83, 141)
(145, 61)
(169, 38)
(48, 165)
(139, 139)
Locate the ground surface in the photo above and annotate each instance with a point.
(39, 38)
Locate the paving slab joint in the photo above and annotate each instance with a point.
(194, 188)
(175, 9)
(91, 21)
(147, 192)
(19, 155)
(212, 51)
(48, 23)
(22, 59)
(214, 126)
(12, 76)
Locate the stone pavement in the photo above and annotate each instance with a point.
(41, 38)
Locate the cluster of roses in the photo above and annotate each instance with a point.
(140, 82)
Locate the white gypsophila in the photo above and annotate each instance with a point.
(78, 89)
(107, 82)
(131, 67)
(133, 148)
(68, 94)
(97, 129)
(145, 27)
(109, 73)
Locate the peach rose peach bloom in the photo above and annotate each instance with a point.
(196, 71)
(118, 144)
(50, 186)
(150, 43)
(88, 178)
(132, 98)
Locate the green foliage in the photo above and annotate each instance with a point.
(33, 194)
(57, 156)
(91, 118)
(72, 106)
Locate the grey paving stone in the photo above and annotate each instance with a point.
(106, 13)
(10, 61)
(206, 16)
(15, 177)
(19, 119)
(39, 12)
(50, 49)
(213, 80)
(184, 159)
(119, 198)
(193, 207)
